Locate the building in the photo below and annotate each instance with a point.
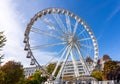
(29, 71)
(69, 67)
(101, 61)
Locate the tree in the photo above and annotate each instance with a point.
(109, 66)
(2, 40)
(2, 77)
(51, 67)
(36, 78)
(2, 43)
(14, 72)
(37, 75)
(114, 75)
(97, 74)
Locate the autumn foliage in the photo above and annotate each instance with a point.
(11, 73)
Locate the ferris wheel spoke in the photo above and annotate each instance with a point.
(68, 23)
(82, 60)
(48, 45)
(48, 22)
(84, 39)
(55, 56)
(81, 32)
(85, 52)
(61, 25)
(75, 28)
(87, 46)
(59, 61)
(51, 26)
(36, 30)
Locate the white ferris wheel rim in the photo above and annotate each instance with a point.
(64, 12)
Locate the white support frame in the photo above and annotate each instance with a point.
(64, 62)
(59, 61)
(75, 65)
(82, 61)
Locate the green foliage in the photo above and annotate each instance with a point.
(2, 39)
(36, 78)
(31, 82)
(22, 81)
(51, 67)
(13, 72)
(2, 77)
(97, 75)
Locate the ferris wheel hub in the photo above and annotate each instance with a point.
(70, 38)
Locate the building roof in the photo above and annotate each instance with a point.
(106, 57)
(88, 59)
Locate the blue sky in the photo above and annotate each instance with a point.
(102, 16)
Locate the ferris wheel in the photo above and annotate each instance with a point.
(60, 35)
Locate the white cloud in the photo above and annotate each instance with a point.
(11, 22)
